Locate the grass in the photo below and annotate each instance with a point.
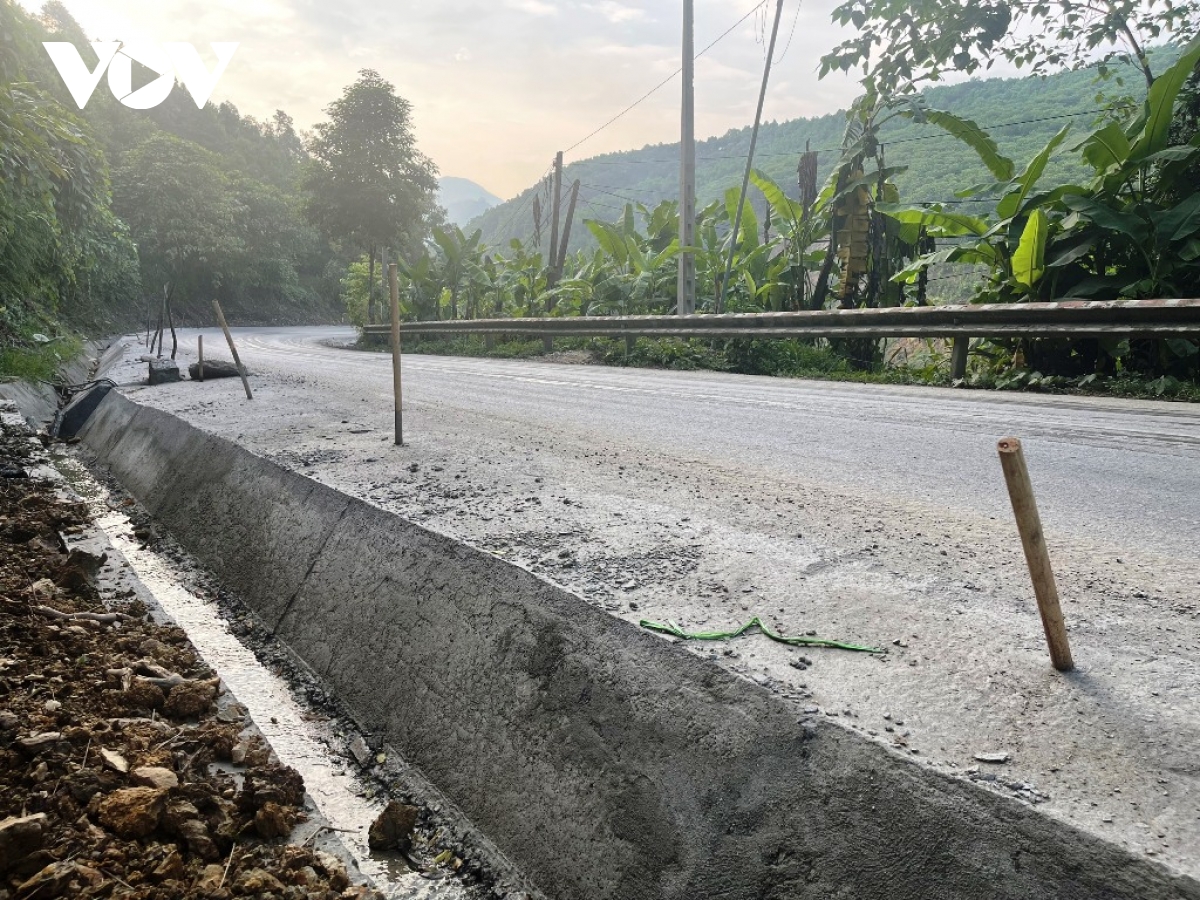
(38, 362)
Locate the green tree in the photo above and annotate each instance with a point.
(904, 43)
(61, 249)
(180, 213)
(368, 185)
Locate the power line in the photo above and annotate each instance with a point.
(592, 204)
(792, 33)
(924, 137)
(522, 204)
(654, 90)
(602, 190)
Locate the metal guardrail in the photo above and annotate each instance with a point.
(1068, 318)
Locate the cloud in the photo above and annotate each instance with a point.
(617, 12)
(533, 7)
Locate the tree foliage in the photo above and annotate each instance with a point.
(368, 185)
(61, 249)
(901, 45)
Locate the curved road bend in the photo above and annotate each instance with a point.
(868, 513)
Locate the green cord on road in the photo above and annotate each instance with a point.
(671, 628)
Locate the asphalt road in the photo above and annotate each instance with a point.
(1120, 471)
(874, 514)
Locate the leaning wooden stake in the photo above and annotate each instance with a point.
(232, 349)
(394, 287)
(1029, 524)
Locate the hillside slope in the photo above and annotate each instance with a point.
(1022, 114)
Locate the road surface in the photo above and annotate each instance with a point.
(874, 514)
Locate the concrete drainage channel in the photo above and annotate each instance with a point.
(309, 741)
(604, 761)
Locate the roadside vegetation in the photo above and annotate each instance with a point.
(114, 219)
(1109, 210)
(1083, 182)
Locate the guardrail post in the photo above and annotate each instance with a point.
(489, 341)
(958, 357)
(548, 344)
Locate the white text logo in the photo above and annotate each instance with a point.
(168, 60)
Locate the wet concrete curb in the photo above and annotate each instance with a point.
(606, 762)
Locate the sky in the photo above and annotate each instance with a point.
(498, 86)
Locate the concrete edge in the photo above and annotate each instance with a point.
(606, 762)
(38, 401)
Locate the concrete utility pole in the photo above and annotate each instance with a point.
(686, 300)
(558, 169)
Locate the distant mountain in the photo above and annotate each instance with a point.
(463, 199)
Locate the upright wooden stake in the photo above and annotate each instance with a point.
(1029, 524)
(232, 349)
(398, 394)
(200, 349)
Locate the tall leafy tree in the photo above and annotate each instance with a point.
(180, 211)
(368, 185)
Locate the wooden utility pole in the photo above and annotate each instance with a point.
(686, 299)
(561, 263)
(1029, 525)
(557, 201)
(736, 226)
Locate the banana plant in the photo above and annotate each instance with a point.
(1135, 230)
(1012, 244)
(800, 229)
(461, 265)
(644, 274)
(1130, 232)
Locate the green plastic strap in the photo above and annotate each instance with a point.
(671, 628)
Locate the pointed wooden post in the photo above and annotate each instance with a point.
(232, 349)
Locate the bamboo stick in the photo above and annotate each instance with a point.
(394, 288)
(1029, 525)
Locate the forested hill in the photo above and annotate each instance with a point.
(1021, 114)
(105, 209)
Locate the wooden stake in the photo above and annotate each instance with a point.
(394, 287)
(232, 349)
(1029, 524)
(200, 364)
